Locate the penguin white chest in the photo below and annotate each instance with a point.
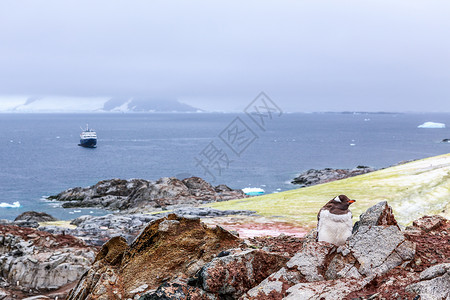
(334, 229)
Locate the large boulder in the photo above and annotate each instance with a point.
(371, 251)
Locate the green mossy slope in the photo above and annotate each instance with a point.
(414, 189)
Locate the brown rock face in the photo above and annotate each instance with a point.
(168, 249)
(428, 223)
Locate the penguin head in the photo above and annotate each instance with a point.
(342, 201)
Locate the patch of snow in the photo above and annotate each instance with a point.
(431, 125)
(124, 107)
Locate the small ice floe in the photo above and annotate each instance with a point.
(352, 144)
(58, 137)
(366, 120)
(253, 191)
(8, 205)
(431, 125)
(91, 212)
(77, 211)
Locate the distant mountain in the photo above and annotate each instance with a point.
(84, 105)
(147, 105)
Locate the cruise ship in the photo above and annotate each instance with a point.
(88, 138)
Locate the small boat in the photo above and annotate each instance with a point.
(88, 138)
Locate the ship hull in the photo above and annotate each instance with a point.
(88, 143)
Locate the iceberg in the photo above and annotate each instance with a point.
(7, 205)
(431, 125)
(253, 191)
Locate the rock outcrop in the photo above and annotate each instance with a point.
(137, 194)
(33, 262)
(313, 176)
(181, 258)
(166, 251)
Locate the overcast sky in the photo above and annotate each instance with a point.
(218, 55)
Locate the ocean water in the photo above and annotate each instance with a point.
(39, 155)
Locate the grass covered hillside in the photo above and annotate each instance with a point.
(414, 189)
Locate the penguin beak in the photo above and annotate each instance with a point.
(351, 201)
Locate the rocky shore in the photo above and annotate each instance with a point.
(139, 195)
(179, 257)
(318, 176)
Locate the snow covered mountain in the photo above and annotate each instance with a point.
(85, 105)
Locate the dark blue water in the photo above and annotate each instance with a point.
(39, 153)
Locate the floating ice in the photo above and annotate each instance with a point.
(253, 191)
(7, 205)
(431, 125)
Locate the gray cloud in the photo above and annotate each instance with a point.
(307, 55)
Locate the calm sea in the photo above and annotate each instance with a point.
(39, 155)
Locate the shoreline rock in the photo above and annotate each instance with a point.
(143, 195)
(318, 176)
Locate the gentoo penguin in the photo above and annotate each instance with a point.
(335, 221)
